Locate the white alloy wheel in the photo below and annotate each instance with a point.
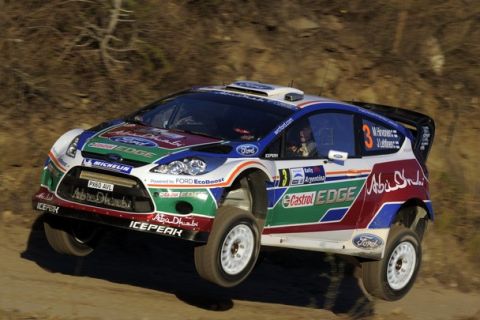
(393, 276)
(237, 249)
(401, 265)
(232, 248)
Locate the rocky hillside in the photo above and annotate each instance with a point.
(73, 63)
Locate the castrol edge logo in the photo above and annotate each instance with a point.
(301, 199)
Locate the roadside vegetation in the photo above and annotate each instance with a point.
(74, 63)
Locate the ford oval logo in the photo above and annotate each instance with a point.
(247, 149)
(136, 141)
(367, 241)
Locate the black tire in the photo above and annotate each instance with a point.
(71, 237)
(209, 257)
(379, 276)
(421, 228)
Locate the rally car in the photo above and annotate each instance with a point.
(246, 165)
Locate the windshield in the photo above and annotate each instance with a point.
(229, 117)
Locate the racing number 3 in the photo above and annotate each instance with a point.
(368, 136)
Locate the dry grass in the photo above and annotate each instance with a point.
(66, 64)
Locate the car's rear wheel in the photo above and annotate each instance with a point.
(232, 248)
(71, 237)
(393, 276)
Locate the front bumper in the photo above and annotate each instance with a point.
(196, 230)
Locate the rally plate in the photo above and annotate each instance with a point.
(100, 185)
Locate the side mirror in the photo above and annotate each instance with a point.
(337, 155)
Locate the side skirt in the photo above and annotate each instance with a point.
(365, 243)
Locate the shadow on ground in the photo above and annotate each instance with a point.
(291, 277)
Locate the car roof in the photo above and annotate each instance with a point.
(285, 96)
(294, 99)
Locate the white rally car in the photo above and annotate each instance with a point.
(246, 165)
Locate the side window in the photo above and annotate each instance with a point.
(379, 139)
(333, 131)
(299, 141)
(315, 136)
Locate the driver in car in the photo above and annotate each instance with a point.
(306, 147)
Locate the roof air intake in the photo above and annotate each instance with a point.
(269, 90)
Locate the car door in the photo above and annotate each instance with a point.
(314, 193)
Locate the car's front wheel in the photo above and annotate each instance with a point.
(232, 248)
(71, 237)
(393, 276)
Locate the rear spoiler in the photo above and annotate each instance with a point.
(420, 125)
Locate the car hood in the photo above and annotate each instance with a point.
(141, 143)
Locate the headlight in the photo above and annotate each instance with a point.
(72, 148)
(191, 166)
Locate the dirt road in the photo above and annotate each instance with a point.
(138, 276)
